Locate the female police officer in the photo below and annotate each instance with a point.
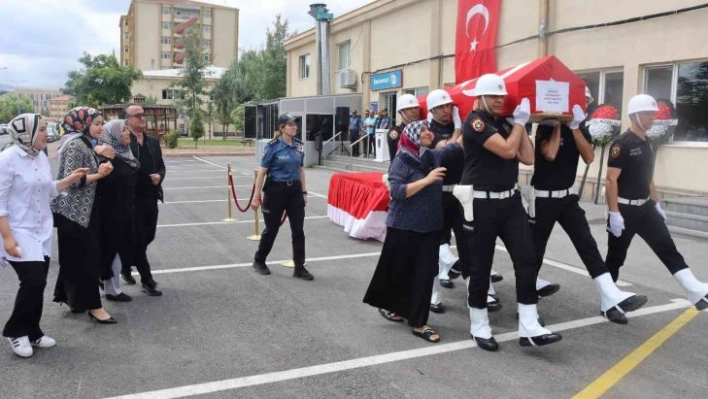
(284, 190)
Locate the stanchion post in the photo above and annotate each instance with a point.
(229, 217)
(257, 235)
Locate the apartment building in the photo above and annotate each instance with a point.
(58, 107)
(152, 32)
(39, 97)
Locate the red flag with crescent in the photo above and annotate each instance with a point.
(476, 37)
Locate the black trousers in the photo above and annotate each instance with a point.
(371, 143)
(506, 219)
(279, 198)
(392, 147)
(354, 136)
(29, 301)
(650, 226)
(146, 213)
(571, 217)
(453, 219)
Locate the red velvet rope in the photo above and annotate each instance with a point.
(253, 190)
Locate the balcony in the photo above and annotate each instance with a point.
(179, 29)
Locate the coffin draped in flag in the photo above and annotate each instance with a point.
(359, 203)
(551, 87)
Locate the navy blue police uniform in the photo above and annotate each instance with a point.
(283, 192)
(393, 136)
(556, 202)
(498, 212)
(635, 157)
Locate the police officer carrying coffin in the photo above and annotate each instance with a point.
(284, 191)
(493, 149)
(558, 147)
(409, 109)
(634, 204)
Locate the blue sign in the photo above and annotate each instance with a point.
(387, 80)
(374, 106)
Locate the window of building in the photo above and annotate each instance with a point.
(207, 13)
(165, 25)
(207, 57)
(125, 62)
(166, 10)
(343, 51)
(172, 94)
(417, 91)
(166, 40)
(304, 66)
(207, 43)
(126, 35)
(166, 55)
(207, 28)
(126, 49)
(606, 87)
(686, 85)
(125, 22)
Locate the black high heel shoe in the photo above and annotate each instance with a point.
(109, 320)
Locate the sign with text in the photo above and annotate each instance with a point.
(387, 80)
(552, 96)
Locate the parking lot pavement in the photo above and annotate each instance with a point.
(221, 330)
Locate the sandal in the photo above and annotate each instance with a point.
(390, 316)
(427, 334)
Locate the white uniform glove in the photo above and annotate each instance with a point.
(616, 224)
(430, 116)
(522, 113)
(578, 117)
(661, 211)
(456, 117)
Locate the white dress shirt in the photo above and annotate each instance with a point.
(26, 188)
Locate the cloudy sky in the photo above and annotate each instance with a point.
(41, 40)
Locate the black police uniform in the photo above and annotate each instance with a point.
(283, 192)
(392, 138)
(555, 201)
(452, 210)
(635, 157)
(505, 217)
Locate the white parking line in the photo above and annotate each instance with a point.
(371, 361)
(210, 163)
(219, 223)
(198, 171)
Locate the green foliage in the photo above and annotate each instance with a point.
(151, 100)
(171, 139)
(12, 105)
(102, 81)
(238, 117)
(193, 73)
(196, 126)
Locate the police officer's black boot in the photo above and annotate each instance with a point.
(530, 331)
(301, 272)
(261, 267)
(615, 303)
(696, 290)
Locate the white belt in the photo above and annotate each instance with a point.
(636, 202)
(495, 194)
(448, 188)
(554, 194)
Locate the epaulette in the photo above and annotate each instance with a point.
(297, 140)
(275, 140)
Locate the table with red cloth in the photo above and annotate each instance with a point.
(359, 203)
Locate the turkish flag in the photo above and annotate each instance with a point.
(476, 37)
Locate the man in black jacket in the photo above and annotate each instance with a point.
(148, 190)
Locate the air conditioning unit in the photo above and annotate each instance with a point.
(348, 79)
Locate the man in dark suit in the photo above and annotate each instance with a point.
(148, 190)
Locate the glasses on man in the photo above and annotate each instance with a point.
(137, 116)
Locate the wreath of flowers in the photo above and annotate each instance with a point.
(604, 124)
(664, 123)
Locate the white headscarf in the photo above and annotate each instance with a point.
(111, 135)
(23, 130)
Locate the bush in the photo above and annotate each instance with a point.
(171, 139)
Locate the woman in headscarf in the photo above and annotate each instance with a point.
(77, 218)
(26, 187)
(403, 280)
(116, 194)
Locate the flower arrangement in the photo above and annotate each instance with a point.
(604, 124)
(665, 121)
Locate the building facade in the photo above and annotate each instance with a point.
(151, 33)
(39, 97)
(618, 48)
(58, 107)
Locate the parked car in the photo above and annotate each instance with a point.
(52, 134)
(4, 136)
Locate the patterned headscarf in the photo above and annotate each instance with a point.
(76, 123)
(111, 135)
(410, 139)
(23, 130)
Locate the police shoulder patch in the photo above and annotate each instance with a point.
(298, 147)
(275, 140)
(615, 150)
(478, 124)
(393, 134)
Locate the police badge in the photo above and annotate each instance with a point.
(298, 147)
(478, 124)
(393, 135)
(615, 151)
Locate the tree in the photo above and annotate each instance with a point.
(238, 117)
(275, 60)
(196, 126)
(151, 100)
(231, 89)
(193, 73)
(102, 81)
(12, 105)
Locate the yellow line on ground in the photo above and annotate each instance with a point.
(612, 376)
